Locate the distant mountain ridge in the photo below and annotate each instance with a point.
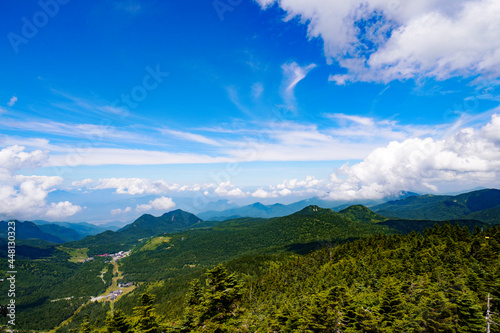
(482, 205)
(83, 228)
(28, 230)
(276, 210)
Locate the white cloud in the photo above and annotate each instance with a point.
(119, 211)
(12, 101)
(418, 164)
(135, 186)
(226, 189)
(354, 126)
(62, 209)
(95, 134)
(24, 197)
(353, 118)
(162, 203)
(403, 39)
(117, 156)
(292, 75)
(491, 130)
(291, 184)
(191, 137)
(82, 183)
(263, 194)
(2, 110)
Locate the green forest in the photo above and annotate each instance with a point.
(437, 281)
(313, 271)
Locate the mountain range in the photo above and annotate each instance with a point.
(267, 211)
(168, 251)
(481, 205)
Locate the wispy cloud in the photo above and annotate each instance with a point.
(92, 132)
(12, 101)
(191, 137)
(99, 107)
(117, 156)
(257, 90)
(233, 95)
(292, 75)
(352, 118)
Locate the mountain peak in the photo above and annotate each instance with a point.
(176, 212)
(361, 213)
(314, 209)
(149, 225)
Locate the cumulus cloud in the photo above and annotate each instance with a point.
(62, 209)
(82, 183)
(384, 40)
(263, 194)
(226, 189)
(135, 186)
(23, 197)
(310, 186)
(162, 203)
(309, 182)
(419, 164)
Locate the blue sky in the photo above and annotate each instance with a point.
(244, 100)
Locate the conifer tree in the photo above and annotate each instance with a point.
(470, 315)
(117, 322)
(147, 322)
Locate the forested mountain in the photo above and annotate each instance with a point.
(482, 205)
(145, 226)
(29, 230)
(300, 232)
(63, 233)
(432, 282)
(148, 225)
(289, 273)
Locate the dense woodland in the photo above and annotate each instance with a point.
(312, 271)
(432, 282)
